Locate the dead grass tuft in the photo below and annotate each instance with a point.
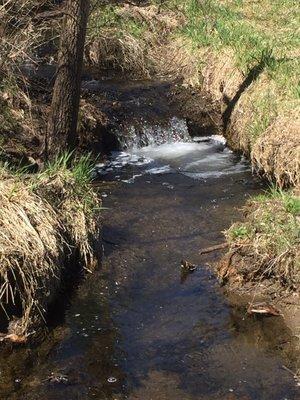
(42, 221)
(221, 77)
(175, 60)
(276, 153)
(125, 53)
(31, 249)
(162, 19)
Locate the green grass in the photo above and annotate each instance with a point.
(257, 31)
(74, 173)
(106, 17)
(272, 222)
(80, 168)
(240, 232)
(290, 201)
(216, 25)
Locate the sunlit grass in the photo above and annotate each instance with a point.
(270, 237)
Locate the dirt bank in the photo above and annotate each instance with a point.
(264, 255)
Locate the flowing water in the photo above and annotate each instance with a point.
(139, 328)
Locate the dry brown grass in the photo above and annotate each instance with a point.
(141, 43)
(162, 20)
(175, 60)
(144, 58)
(220, 75)
(276, 153)
(249, 112)
(31, 248)
(42, 221)
(126, 53)
(267, 129)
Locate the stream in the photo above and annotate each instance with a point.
(141, 329)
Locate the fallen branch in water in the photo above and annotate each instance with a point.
(263, 309)
(213, 248)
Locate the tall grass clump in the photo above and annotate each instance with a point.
(45, 220)
(268, 240)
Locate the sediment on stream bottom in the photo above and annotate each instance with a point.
(44, 224)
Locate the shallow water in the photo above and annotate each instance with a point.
(141, 329)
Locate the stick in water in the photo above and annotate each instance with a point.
(214, 248)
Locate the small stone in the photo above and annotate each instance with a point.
(112, 379)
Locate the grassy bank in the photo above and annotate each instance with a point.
(266, 245)
(46, 220)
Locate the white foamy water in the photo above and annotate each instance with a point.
(145, 134)
(203, 158)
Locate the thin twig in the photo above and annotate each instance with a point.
(213, 248)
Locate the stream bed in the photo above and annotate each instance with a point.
(139, 328)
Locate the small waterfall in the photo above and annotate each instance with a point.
(144, 134)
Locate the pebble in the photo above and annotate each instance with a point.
(112, 379)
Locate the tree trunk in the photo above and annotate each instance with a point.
(62, 124)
